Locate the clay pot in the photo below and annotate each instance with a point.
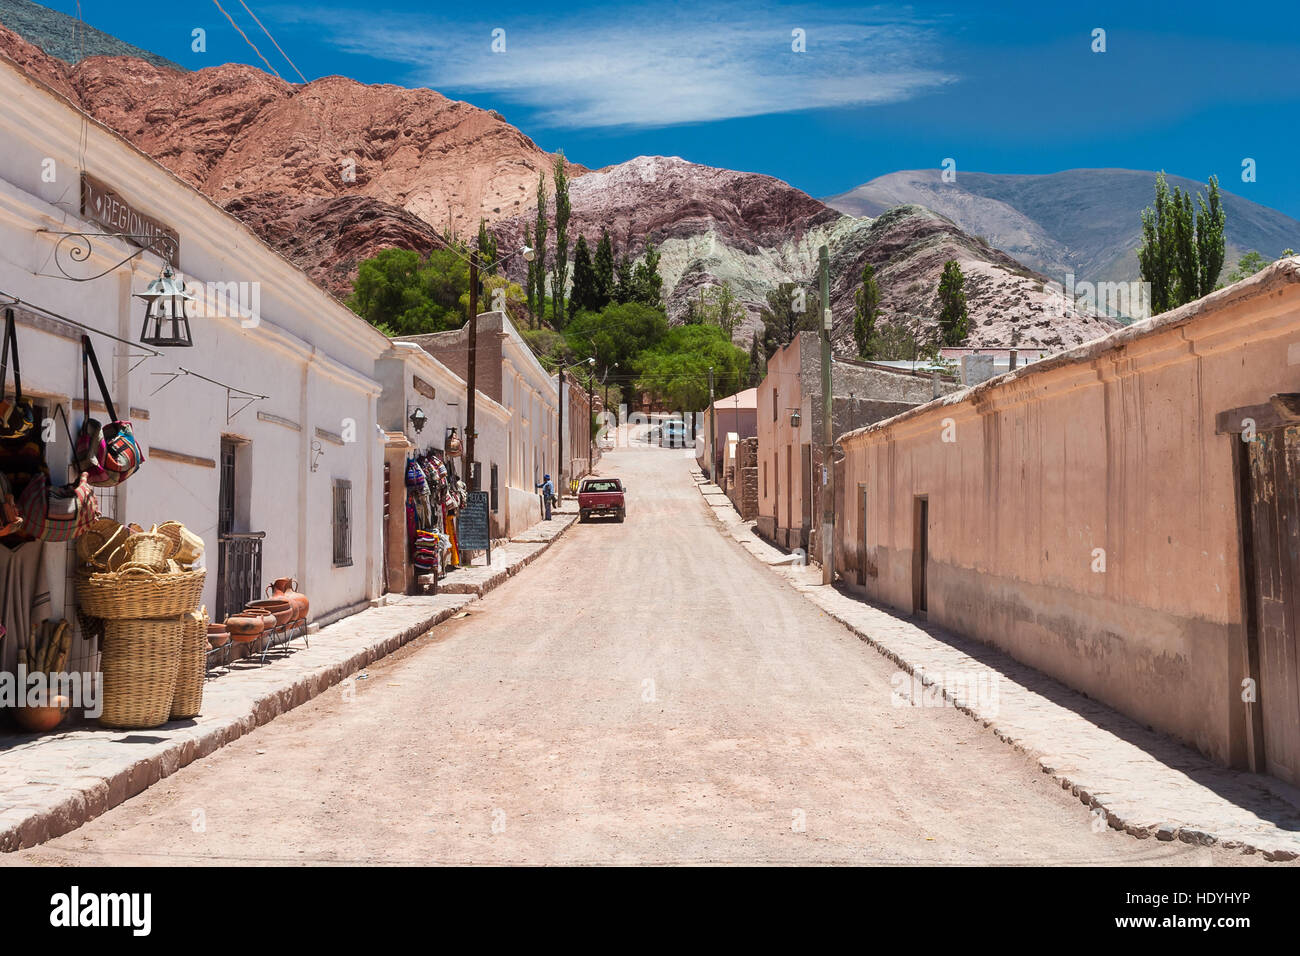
(283, 610)
(218, 636)
(268, 619)
(40, 720)
(244, 627)
(286, 589)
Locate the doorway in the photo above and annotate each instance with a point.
(1271, 553)
(920, 553)
(862, 534)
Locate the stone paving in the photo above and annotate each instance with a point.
(52, 784)
(1133, 778)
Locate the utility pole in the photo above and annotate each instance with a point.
(591, 381)
(559, 485)
(828, 424)
(713, 430)
(473, 365)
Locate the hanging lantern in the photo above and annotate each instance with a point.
(166, 324)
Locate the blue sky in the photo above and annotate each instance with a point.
(1193, 88)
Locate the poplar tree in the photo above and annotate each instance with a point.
(538, 269)
(560, 271)
(1209, 237)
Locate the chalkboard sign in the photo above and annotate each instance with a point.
(473, 531)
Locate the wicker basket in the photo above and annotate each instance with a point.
(148, 550)
(139, 593)
(102, 538)
(187, 701)
(187, 546)
(139, 666)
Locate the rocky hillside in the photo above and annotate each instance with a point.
(66, 37)
(1085, 221)
(332, 171)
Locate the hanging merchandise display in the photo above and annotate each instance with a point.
(432, 549)
(16, 417)
(453, 445)
(11, 520)
(58, 513)
(110, 452)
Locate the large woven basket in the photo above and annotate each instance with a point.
(139, 593)
(191, 666)
(139, 666)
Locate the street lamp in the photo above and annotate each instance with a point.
(417, 420)
(167, 301)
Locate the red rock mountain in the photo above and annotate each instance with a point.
(332, 171)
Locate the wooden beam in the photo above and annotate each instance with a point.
(165, 454)
(1231, 422)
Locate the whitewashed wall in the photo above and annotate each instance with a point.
(312, 357)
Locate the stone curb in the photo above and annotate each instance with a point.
(1121, 811)
(83, 798)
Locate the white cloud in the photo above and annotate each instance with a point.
(658, 66)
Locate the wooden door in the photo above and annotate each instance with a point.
(920, 554)
(1274, 495)
(862, 534)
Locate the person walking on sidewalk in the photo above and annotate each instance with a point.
(548, 493)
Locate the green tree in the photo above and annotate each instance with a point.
(866, 303)
(487, 249)
(403, 294)
(616, 336)
(1210, 219)
(676, 371)
(538, 266)
(647, 284)
(1182, 253)
(583, 297)
(560, 272)
(623, 281)
(954, 322)
(604, 266)
(757, 363)
(784, 316)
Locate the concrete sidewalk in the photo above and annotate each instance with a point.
(50, 784)
(1132, 778)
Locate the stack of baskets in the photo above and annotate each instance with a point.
(141, 593)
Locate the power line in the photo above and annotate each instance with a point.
(272, 39)
(247, 40)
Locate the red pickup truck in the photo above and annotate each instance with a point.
(601, 496)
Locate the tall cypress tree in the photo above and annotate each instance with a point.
(539, 247)
(866, 301)
(954, 322)
(583, 296)
(623, 289)
(560, 271)
(487, 249)
(604, 266)
(1186, 265)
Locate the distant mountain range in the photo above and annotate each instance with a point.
(68, 38)
(1085, 221)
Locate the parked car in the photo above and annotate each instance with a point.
(672, 434)
(602, 496)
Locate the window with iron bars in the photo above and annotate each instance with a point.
(342, 523)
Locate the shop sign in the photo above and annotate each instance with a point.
(101, 205)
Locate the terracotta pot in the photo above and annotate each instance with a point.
(40, 720)
(268, 619)
(285, 589)
(244, 627)
(284, 611)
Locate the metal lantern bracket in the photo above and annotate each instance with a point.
(140, 359)
(233, 392)
(80, 249)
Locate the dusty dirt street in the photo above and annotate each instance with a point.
(645, 692)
